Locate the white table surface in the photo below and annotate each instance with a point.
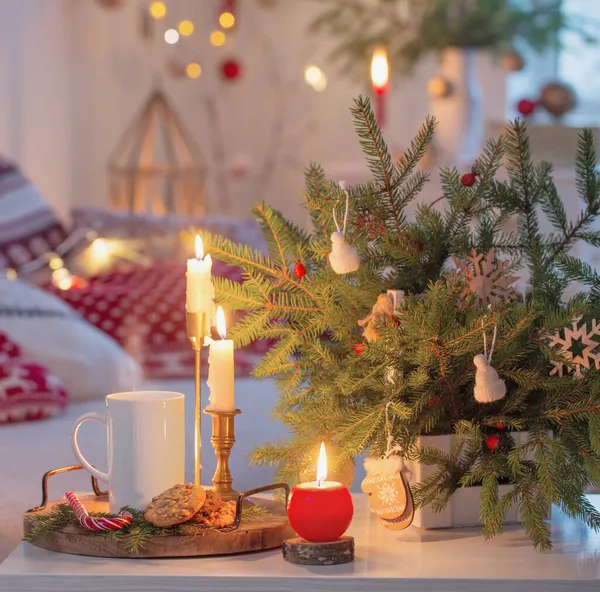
(458, 560)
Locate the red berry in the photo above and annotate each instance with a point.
(526, 107)
(468, 179)
(394, 321)
(359, 348)
(493, 441)
(299, 270)
(418, 244)
(433, 401)
(500, 426)
(231, 69)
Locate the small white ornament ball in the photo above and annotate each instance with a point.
(439, 88)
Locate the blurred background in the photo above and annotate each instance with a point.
(74, 73)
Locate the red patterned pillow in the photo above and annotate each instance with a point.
(28, 391)
(143, 309)
(28, 227)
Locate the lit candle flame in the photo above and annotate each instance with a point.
(322, 465)
(221, 327)
(379, 68)
(199, 247)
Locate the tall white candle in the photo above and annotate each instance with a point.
(199, 293)
(221, 372)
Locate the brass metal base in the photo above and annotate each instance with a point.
(223, 439)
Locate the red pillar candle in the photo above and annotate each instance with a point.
(320, 511)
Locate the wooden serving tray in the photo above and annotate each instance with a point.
(257, 534)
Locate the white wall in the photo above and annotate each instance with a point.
(72, 75)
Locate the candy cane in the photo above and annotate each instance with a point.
(123, 520)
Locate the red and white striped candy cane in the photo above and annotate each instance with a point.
(123, 520)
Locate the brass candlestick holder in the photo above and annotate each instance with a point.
(197, 330)
(223, 438)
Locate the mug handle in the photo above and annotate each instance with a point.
(84, 463)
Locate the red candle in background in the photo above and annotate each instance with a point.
(320, 511)
(380, 82)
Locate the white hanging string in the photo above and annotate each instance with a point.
(484, 340)
(493, 344)
(485, 351)
(343, 187)
(390, 448)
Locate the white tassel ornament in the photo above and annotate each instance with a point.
(343, 258)
(489, 387)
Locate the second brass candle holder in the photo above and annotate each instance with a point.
(223, 439)
(197, 330)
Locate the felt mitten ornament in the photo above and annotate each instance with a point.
(343, 258)
(389, 494)
(489, 387)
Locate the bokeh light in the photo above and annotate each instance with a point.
(158, 10)
(227, 20)
(217, 38)
(186, 28)
(171, 36)
(193, 70)
(315, 77)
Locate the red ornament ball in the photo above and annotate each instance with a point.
(299, 270)
(493, 441)
(468, 179)
(231, 69)
(500, 426)
(359, 348)
(526, 107)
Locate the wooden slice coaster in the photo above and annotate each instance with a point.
(302, 552)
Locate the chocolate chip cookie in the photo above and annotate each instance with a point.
(175, 506)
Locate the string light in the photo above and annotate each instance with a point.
(55, 262)
(315, 77)
(217, 38)
(62, 278)
(171, 36)
(186, 28)
(11, 274)
(158, 10)
(227, 20)
(193, 70)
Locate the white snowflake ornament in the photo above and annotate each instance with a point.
(485, 277)
(580, 346)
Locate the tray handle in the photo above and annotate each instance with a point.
(246, 494)
(97, 491)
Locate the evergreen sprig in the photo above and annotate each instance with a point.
(421, 366)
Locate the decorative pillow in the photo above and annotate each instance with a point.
(28, 391)
(28, 227)
(143, 309)
(51, 333)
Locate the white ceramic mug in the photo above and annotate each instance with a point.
(146, 445)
